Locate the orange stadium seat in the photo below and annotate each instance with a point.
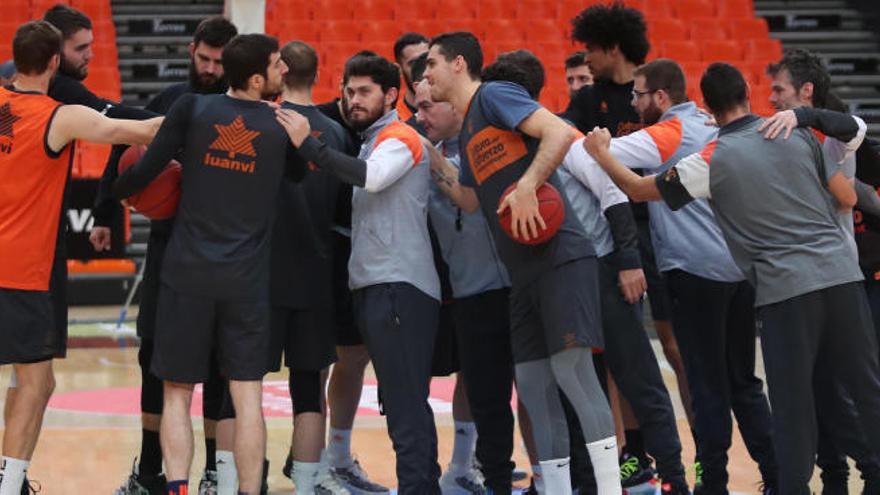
(764, 49)
(542, 30)
(414, 10)
(568, 9)
(667, 29)
(336, 53)
(755, 71)
(455, 10)
(307, 31)
(707, 28)
(341, 31)
(728, 9)
(298, 10)
(681, 51)
(496, 9)
(748, 28)
(535, 9)
(505, 30)
(384, 31)
(324, 10)
(370, 10)
(654, 9)
(101, 266)
(689, 9)
(722, 51)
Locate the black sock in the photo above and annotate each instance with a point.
(210, 454)
(150, 463)
(635, 445)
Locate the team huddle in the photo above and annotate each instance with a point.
(400, 226)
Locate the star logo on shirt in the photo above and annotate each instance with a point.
(7, 118)
(235, 138)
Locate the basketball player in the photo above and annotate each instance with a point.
(764, 175)
(577, 73)
(301, 282)
(554, 321)
(616, 42)
(205, 77)
(215, 274)
(480, 287)
(395, 287)
(35, 157)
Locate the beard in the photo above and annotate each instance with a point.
(206, 84)
(70, 70)
(651, 115)
(363, 122)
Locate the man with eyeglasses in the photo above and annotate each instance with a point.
(713, 305)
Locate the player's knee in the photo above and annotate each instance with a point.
(353, 358)
(306, 391)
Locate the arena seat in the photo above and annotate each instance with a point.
(690, 9)
(721, 51)
(707, 28)
(693, 32)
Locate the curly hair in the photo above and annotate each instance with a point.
(607, 26)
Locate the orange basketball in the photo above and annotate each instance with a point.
(159, 200)
(550, 206)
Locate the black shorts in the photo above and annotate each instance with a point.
(558, 311)
(658, 294)
(347, 333)
(191, 329)
(28, 332)
(146, 320)
(58, 291)
(306, 337)
(445, 360)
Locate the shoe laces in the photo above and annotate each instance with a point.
(328, 482)
(629, 467)
(358, 471)
(472, 481)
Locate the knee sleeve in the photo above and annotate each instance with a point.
(152, 394)
(305, 391)
(574, 372)
(214, 391)
(537, 391)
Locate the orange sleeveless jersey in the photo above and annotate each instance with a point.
(32, 181)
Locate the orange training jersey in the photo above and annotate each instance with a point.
(32, 181)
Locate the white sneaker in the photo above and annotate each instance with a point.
(356, 480)
(326, 484)
(467, 483)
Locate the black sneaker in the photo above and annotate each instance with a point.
(634, 471)
(142, 485)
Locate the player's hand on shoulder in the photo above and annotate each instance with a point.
(296, 125)
(632, 284)
(100, 238)
(597, 141)
(784, 120)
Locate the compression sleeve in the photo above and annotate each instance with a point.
(848, 129)
(348, 169)
(623, 231)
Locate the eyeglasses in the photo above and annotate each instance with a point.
(637, 94)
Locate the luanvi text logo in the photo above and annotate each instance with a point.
(234, 143)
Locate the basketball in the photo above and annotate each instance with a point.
(550, 206)
(159, 200)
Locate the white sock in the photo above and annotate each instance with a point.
(557, 477)
(463, 447)
(14, 471)
(227, 476)
(339, 448)
(603, 455)
(13, 380)
(538, 478)
(304, 476)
